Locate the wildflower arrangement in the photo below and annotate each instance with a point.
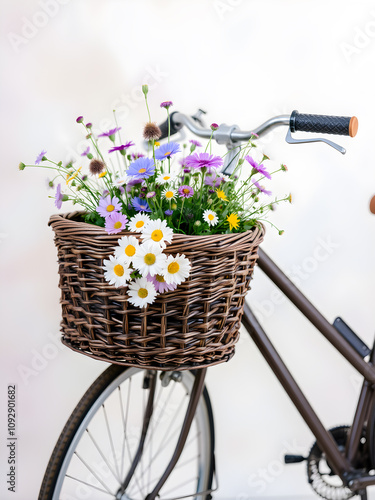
(172, 189)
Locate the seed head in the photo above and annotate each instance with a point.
(96, 166)
(151, 131)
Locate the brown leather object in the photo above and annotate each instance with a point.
(193, 326)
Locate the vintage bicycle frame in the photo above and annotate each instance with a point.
(342, 464)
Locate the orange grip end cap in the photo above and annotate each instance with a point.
(372, 205)
(353, 126)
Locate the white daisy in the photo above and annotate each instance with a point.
(141, 292)
(158, 232)
(116, 272)
(125, 251)
(123, 179)
(176, 269)
(165, 178)
(149, 258)
(138, 222)
(210, 217)
(169, 193)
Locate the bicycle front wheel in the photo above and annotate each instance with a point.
(103, 445)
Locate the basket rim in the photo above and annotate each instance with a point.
(92, 229)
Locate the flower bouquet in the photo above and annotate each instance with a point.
(155, 266)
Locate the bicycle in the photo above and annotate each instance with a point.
(177, 426)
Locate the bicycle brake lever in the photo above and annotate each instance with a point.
(291, 140)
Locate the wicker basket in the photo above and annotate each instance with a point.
(193, 326)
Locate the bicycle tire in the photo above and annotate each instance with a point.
(88, 411)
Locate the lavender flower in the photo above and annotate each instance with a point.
(151, 194)
(115, 223)
(195, 143)
(167, 150)
(58, 197)
(259, 168)
(107, 206)
(185, 191)
(40, 157)
(204, 160)
(142, 168)
(261, 188)
(166, 104)
(135, 156)
(168, 213)
(140, 205)
(213, 180)
(110, 133)
(86, 151)
(160, 285)
(122, 147)
(132, 183)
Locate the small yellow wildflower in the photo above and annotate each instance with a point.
(221, 195)
(71, 177)
(103, 173)
(157, 143)
(233, 221)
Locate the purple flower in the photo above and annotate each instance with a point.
(259, 168)
(160, 284)
(115, 222)
(40, 157)
(135, 156)
(185, 191)
(214, 126)
(133, 183)
(58, 197)
(204, 160)
(261, 188)
(122, 147)
(110, 132)
(107, 206)
(166, 104)
(142, 168)
(79, 119)
(196, 143)
(151, 194)
(213, 180)
(140, 205)
(167, 150)
(168, 212)
(88, 125)
(86, 151)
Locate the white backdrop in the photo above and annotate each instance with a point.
(242, 61)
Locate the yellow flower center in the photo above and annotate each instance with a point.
(118, 270)
(169, 194)
(110, 208)
(166, 177)
(157, 235)
(159, 278)
(117, 225)
(139, 224)
(173, 267)
(130, 250)
(141, 170)
(167, 153)
(142, 293)
(149, 259)
(210, 217)
(186, 190)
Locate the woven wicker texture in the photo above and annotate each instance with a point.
(193, 326)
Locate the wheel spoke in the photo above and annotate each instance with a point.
(93, 472)
(88, 484)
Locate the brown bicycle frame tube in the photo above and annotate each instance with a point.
(341, 464)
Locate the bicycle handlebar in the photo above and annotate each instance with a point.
(338, 125)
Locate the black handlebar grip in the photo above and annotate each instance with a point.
(339, 125)
(164, 127)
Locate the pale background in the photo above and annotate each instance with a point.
(242, 61)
